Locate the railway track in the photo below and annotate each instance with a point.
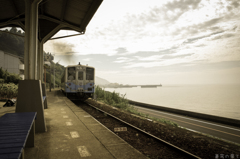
(148, 144)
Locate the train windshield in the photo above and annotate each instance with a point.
(71, 73)
(89, 73)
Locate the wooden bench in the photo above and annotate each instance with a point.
(17, 131)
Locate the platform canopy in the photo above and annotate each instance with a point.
(41, 19)
(52, 15)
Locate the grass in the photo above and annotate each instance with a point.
(116, 100)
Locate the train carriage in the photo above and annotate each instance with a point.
(79, 80)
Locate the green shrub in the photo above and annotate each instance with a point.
(9, 90)
(116, 100)
(9, 77)
(113, 99)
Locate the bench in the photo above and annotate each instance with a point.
(17, 131)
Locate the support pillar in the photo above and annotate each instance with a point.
(31, 40)
(30, 90)
(40, 71)
(44, 93)
(40, 61)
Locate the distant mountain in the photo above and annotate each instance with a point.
(101, 81)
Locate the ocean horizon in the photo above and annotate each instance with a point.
(213, 99)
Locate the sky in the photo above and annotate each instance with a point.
(153, 42)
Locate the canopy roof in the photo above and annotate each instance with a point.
(52, 14)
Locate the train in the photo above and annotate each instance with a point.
(78, 80)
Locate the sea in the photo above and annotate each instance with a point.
(218, 100)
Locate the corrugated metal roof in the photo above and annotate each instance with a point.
(72, 14)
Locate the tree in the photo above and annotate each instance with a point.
(11, 43)
(9, 78)
(13, 30)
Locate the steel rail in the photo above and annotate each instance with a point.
(165, 142)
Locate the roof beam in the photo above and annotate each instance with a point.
(91, 11)
(13, 22)
(52, 33)
(64, 24)
(42, 8)
(64, 6)
(66, 36)
(21, 25)
(14, 7)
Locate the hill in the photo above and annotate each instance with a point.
(101, 81)
(11, 43)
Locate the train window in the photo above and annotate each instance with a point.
(80, 75)
(89, 73)
(71, 73)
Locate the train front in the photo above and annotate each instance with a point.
(85, 80)
(80, 80)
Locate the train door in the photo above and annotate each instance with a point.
(80, 80)
(90, 79)
(71, 79)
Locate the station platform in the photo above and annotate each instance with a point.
(74, 134)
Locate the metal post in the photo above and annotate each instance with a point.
(54, 76)
(45, 75)
(50, 83)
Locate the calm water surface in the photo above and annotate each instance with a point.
(220, 100)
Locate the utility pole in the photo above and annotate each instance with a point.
(49, 59)
(50, 83)
(45, 75)
(53, 70)
(54, 76)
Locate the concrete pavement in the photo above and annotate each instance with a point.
(72, 133)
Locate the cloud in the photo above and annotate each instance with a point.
(161, 35)
(161, 51)
(121, 50)
(191, 40)
(206, 27)
(170, 12)
(214, 66)
(210, 22)
(176, 8)
(148, 23)
(164, 25)
(87, 59)
(176, 56)
(233, 4)
(161, 57)
(200, 45)
(223, 36)
(123, 60)
(182, 4)
(149, 58)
